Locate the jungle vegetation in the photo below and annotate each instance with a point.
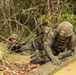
(25, 16)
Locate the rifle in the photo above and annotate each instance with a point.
(16, 47)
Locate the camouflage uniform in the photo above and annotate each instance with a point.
(22, 48)
(13, 45)
(39, 56)
(27, 49)
(53, 46)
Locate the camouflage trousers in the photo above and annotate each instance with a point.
(40, 59)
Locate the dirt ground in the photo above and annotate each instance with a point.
(16, 57)
(70, 69)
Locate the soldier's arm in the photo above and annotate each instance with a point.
(47, 46)
(69, 50)
(70, 44)
(74, 39)
(35, 46)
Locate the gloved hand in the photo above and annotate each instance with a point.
(56, 61)
(65, 54)
(60, 55)
(35, 53)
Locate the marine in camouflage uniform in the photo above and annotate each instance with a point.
(57, 43)
(13, 44)
(40, 56)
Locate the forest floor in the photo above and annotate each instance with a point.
(15, 64)
(19, 65)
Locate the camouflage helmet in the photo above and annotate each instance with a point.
(45, 29)
(14, 36)
(67, 27)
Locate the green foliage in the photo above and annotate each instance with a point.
(3, 52)
(68, 17)
(20, 13)
(43, 18)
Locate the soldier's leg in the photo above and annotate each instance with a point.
(66, 53)
(39, 60)
(27, 49)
